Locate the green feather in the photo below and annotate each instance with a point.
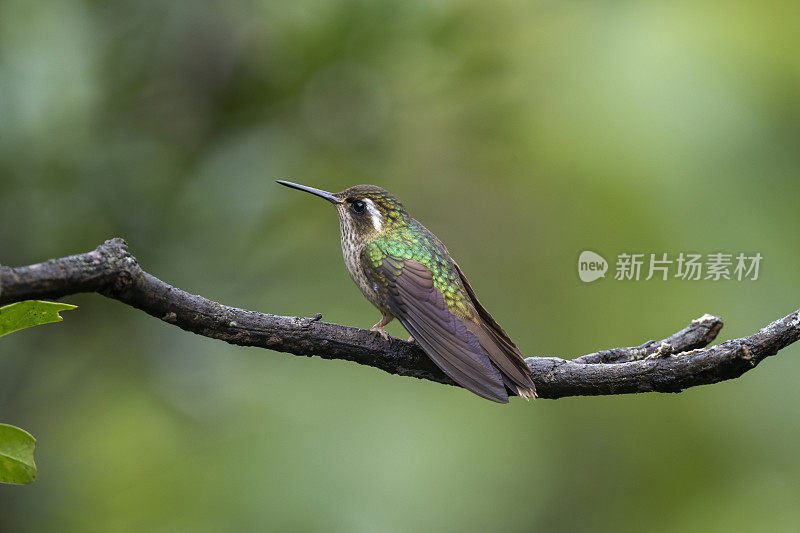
(412, 240)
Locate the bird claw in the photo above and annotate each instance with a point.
(379, 329)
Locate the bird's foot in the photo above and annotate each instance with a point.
(411, 338)
(379, 328)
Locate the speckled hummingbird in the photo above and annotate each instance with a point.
(406, 272)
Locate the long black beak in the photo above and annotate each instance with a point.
(322, 194)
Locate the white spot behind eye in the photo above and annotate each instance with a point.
(375, 214)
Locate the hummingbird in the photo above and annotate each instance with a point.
(407, 273)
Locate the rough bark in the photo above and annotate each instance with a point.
(670, 365)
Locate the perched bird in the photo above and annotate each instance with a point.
(406, 272)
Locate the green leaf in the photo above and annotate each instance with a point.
(16, 455)
(16, 445)
(29, 313)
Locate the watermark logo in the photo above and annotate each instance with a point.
(591, 266)
(684, 266)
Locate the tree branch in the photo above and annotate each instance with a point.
(670, 365)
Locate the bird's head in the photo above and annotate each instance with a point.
(365, 211)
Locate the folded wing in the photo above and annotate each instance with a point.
(502, 350)
(453, 343)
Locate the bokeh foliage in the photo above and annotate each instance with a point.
(521, 133)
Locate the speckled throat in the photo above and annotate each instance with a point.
(352, 246)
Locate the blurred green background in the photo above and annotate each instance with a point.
(522, 133)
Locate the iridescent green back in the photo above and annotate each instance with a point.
(408, 239)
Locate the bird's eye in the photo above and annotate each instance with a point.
(359, 206)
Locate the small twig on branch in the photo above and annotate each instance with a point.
(670, 365)
(696, 335)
